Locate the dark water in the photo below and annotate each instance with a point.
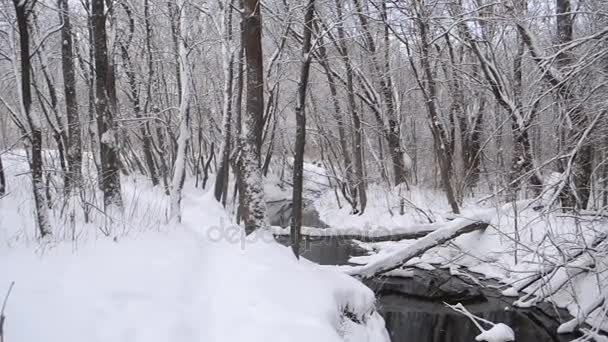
(414, 309)
(279, 213)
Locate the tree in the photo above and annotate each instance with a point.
(298, 161)
(250, 140)
(2, 179)
(109, 173)
(23, 10)
(74, 148)
(179, 167)
(523, 164)
(443, 149)
(352, 108)
(222, 176)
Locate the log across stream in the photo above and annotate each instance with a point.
(414, 308)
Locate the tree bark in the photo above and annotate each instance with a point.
(223, 172)
(23, 9)
(183, 140)
(110, 176)
(2, 179)
(74, 148)
(298, 161)
(250, 141)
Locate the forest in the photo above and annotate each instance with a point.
(426, 153)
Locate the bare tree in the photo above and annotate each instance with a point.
(179, 167)
(228, 55)
(23, 10)
(74, 148)
(109, 173)
(298, 161)
(250, 140)
(443, 148)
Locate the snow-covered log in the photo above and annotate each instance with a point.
(580, 318)
(394, 260)
(363, 235)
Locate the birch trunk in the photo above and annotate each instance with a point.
(179, 167)
(23, 8)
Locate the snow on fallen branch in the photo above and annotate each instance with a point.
(581, 316)
(364, 235)
(499, 332)
(399, 257)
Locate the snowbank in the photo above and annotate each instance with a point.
(180, 286)
(199, 281)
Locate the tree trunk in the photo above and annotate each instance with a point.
(147, 139)
(442, 146)
(110, 176)
(23, 8)
(298, 161)
(179, 167)
(223, 172)
(74, 148)
(250, 141)
(135, 98)
(352, 107)
(349, 185)
(578, 185)
(2, 179)
(391, 129)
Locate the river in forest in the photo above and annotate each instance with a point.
(414, 308)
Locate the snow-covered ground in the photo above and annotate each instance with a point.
(148, 281)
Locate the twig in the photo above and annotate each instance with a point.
(2, 317)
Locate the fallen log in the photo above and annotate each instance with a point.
(394, 234)
(397, 258)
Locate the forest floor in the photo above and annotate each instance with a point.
(140, 279)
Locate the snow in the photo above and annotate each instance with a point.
(390, 260)
(382, 211)
(498, 333)
(542, 239)
(201, 280)
(108, 138)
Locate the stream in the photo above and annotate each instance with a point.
(413, 308)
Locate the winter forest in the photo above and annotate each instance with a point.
(303, 170)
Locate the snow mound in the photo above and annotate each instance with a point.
(181, 286)
(498, 333)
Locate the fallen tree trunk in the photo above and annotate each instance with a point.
(411, 233)
(396, 259)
